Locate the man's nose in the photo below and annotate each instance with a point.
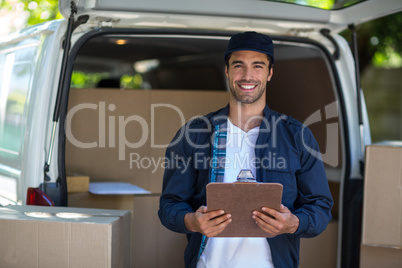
(247, 73)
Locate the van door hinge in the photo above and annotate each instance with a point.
(80, 20)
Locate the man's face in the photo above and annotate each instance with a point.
(248, 74)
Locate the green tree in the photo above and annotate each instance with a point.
(22, 13)
(42, 10)
(380, 42)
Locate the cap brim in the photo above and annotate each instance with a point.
(250, 49)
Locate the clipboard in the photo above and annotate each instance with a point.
(240, 199)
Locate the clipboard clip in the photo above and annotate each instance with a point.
(245, 175)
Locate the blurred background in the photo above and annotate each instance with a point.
(379, 44)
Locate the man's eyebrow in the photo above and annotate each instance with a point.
(260, 62)
(237, 62)
(254, 63)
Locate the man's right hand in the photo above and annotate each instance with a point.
(207, 223)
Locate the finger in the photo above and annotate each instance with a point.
(266, 227)
(284, 209)
(221, 219)
(204, 215)
(263, 217)
(272, 212)
(202, 209)
(215, 214)
(274, 225)
(203, 222)
(217, 229)
(206, 223)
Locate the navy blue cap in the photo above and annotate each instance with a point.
(251, 41)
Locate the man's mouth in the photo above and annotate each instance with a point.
(247, 86)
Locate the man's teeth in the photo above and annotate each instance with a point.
(247, 87)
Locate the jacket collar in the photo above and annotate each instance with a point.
(221, 116)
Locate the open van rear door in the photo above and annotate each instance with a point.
(280, 14)
(27, 78)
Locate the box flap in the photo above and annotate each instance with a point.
(61, 214)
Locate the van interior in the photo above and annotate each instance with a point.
(131, 92)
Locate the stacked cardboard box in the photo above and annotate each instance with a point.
(35, 236)
(382, 208)
(77, 184)
(148, 236)
(165, 111)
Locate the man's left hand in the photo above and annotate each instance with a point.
(280, 222)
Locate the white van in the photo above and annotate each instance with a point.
(102, 93)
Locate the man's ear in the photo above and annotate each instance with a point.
(271, 73)
(226, 71)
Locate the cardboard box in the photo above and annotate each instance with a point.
(77, 184)
(147, 233)
(35, 236)
(115, 158)
(382, 206)
(325, 244)
(88, 200)
(374, 257)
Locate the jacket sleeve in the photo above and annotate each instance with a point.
(314, 203)
(178, 184)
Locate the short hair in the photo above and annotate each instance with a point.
(270, 64)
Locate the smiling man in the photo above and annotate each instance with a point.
(244, 135)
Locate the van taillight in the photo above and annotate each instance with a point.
(38, 198)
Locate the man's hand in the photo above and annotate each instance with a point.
(207, 223)
(281, 222)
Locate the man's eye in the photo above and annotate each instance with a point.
(258, 66)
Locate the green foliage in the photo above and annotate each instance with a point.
(132, 82)
(15, 103)
(86, 80)
(39, 10)
(386, 41)
(380, 41)
(42, 10)
(91, 80)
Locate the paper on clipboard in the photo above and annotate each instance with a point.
(240, 199)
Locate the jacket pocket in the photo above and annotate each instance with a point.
(285, 173)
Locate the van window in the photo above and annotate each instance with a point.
(16, 67)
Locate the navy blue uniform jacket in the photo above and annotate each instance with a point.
(290, 156)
